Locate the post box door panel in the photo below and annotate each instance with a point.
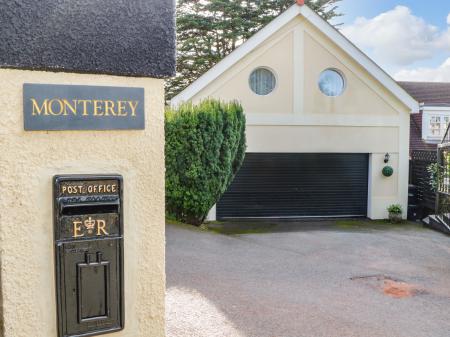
(91, 274)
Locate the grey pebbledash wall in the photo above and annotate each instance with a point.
(119, 37)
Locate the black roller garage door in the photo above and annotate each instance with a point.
(298, 185)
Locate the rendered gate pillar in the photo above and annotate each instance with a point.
(82, 166)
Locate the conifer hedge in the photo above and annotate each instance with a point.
(205, 147)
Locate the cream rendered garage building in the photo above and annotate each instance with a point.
(312, 150)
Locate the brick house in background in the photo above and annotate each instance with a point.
(428, 127)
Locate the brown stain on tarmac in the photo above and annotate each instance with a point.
(390, 286)
(397, 289)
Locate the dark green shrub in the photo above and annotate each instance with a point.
(205, 147)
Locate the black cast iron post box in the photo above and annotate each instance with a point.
(88, 229)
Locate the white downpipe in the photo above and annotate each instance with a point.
(212, 216)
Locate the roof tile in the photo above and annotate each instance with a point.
(429, 93)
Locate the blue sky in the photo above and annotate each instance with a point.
(431, 10)
(409, 38)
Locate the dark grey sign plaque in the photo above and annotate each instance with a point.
(82, 107)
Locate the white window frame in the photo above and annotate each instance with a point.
(428, 113)
(344, 81)
(272, 71)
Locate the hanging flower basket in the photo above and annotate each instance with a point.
(388, 171)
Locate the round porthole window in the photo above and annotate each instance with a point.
(262, 81)
(331, 83)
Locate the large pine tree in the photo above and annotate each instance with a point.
(208, 30)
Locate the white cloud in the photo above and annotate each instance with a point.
(439, 74)
(398, 37)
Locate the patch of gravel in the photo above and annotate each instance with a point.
(190, 314)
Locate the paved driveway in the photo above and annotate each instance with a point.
(312, 280)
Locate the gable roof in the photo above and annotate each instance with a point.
(436, 94)
(266, 32)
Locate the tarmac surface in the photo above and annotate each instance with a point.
(308, 279)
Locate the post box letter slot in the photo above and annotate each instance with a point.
(90, 208)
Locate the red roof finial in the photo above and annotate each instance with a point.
(300, 2)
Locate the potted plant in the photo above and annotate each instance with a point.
(395, 213)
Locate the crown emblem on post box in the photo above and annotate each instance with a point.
(90, 225)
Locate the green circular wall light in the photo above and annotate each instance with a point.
(388, 171)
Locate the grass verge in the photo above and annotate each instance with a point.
(376, 224)
(218, 227)
(262, 227)
(241, 228)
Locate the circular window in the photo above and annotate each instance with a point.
(331, 83)
(262, 81)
